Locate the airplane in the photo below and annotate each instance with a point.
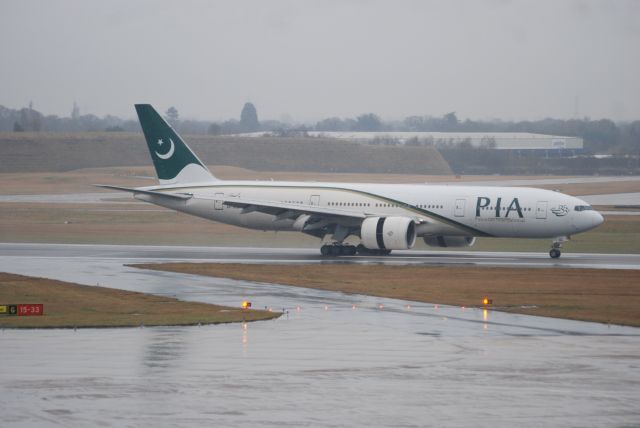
(384, 217)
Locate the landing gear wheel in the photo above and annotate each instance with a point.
(364, 251)
(347, 250)
(557, 245)
(335, 250)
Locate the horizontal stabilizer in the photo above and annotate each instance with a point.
(181, 196)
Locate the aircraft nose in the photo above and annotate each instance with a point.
(597, 219)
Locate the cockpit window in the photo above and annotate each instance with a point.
(583, 208)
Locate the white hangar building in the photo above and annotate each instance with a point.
(520, 141)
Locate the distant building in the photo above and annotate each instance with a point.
(517, 141)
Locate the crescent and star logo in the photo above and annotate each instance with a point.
(169, 153)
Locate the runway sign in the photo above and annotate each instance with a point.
(26, 310)
(8, 309)
(31, 310)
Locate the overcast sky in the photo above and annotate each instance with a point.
(312, 59)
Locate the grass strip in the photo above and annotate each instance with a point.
(68, 305)
(600, 295)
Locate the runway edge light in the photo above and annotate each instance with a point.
(487, 301)
(246, 304)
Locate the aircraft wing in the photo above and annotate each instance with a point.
(281, 209)
(287, 210)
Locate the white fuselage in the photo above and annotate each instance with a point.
(440, 209)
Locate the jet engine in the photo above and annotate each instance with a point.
(388, 233)
(449, 241)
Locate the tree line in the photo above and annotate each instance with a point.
(600, 136)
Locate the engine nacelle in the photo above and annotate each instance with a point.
(449, 241)
(388, 233)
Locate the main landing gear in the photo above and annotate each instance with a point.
(555, 252)
(364, 251)
(336, 250)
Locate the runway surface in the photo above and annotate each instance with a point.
(545, 181)
(632, 199)
(306, 255)
(333, 359)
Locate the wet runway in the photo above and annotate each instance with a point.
(332, 360)
(306, 255)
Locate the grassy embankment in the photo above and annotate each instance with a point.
(68, 305)
(42, 151)
(606, 296)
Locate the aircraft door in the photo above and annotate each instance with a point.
(459, 208)
(314, 200)
(541, 209)
(217, 201)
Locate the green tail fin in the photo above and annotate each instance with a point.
(173, 159)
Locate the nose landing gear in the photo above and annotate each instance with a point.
(555, 252)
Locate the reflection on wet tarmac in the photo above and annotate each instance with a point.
(245, 338)
(164, 348)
